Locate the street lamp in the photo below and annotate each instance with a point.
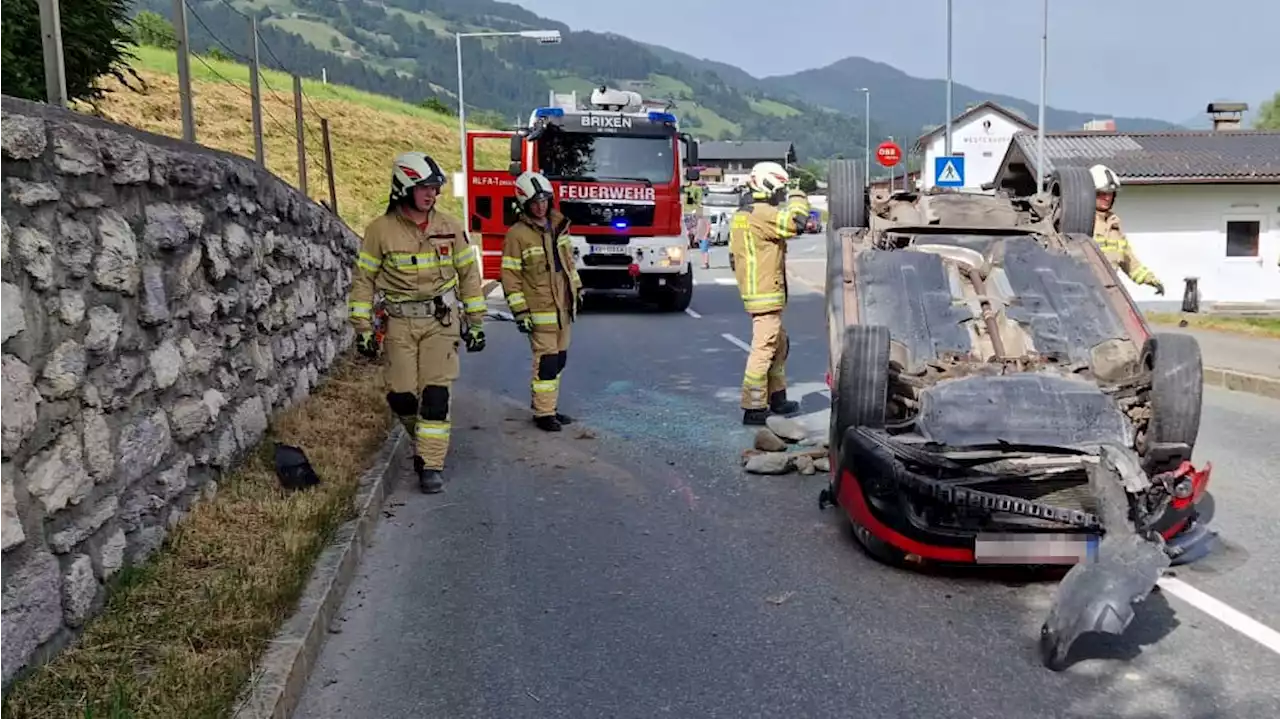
(866, 121)
(1044, 82)
(947, 140)
(544, 37)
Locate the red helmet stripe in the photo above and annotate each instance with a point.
(411, 173)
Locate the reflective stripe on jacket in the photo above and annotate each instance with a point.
(1115, 246)
(408, 263)
(757, 241)
(529, 276)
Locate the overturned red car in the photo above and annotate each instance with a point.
(997, 397)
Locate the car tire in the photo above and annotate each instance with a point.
(877, 548)
(862, 381)
(846, 195)
(678, 292)
(1177, 389)
(1074, 188)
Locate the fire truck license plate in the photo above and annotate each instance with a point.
(607, 249)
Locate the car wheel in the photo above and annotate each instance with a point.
(862, 380)
(1177, 390)
(679, 292)
(1074, 188)
(846, 195)
(879, 549)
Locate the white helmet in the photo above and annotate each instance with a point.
(411, 169)
(766, 178)
(1104, 179)
(532, 186)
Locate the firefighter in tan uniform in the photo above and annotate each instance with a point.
(758, 237)
(541, 286)
(1107, 233)
(421, 261)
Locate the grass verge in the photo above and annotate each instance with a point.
(180, 635)
(1253, 326)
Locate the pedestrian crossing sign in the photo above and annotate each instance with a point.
(948, 171)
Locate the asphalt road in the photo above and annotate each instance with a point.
(637, 572)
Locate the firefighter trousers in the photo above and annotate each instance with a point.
(766, 371)
(422, 364)
(550, 347)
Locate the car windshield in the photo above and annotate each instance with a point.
(585, 156)
(720, 199)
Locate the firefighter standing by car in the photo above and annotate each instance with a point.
(757, 244)
(421, 260)
(1109, 236)
(541, 285)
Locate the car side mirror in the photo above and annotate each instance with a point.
(517, 146)
(514, 169)
(690, 148)
(692, 174)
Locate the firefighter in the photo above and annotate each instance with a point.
(542, 288)
(757, 244)
(1109, 236)
(421, 260)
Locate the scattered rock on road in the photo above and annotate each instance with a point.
(822, 464)
(767, 441)
(804, 464)
(788, 429)
(769, 463)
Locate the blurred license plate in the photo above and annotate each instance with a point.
(607, 249)
(1035, 548)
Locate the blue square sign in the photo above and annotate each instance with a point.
(948, 171)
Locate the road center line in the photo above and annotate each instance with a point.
(692, 314)
(737, 342)
(1246, 625)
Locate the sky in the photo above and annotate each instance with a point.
(1118, 57)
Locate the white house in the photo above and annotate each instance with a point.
(1203, 204)
(980, 134)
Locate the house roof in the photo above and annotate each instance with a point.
(964, 116)
(1158, 157)
(744, 150)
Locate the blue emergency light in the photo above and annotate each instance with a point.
(549, 112)
(662, 117)
(619, 224)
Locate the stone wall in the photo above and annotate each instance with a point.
(161, 300)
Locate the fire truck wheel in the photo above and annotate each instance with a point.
(678, 292)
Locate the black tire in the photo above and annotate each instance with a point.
(1074, 187)
(846, 195)
(861, 382)
(877, 548)
(1177, 389)
(679, 292)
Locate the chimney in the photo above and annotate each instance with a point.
(1226, 115)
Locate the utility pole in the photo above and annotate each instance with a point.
(259, 154)
(55, 69)
(1044, 84)
(947, 151)
(462, 133)
(866, 122)
(184, 70)
(300, 129)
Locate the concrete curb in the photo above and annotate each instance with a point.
(281, 676)
(1243, 381)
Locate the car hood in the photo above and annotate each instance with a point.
(1028, 409)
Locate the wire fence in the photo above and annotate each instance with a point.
(310, 143)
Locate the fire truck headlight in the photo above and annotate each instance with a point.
(675, 253)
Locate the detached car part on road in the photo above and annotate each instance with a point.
(997, 397)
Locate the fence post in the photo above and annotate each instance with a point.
(259, 154)
(184, 70)
(328, 164)
(300, 129)
(55, 70)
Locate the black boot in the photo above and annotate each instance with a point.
(564, 418)
(549, 423)
(755, 417)
(779, 404)
(430, 481)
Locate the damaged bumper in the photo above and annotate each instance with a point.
(1121, 528)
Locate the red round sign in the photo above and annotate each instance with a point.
(889, 154)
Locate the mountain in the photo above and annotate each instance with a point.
(912, 105)
(406, 49)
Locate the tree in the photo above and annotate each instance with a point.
(1269, 114)
(435, 104)
(96, 36)
(335, 43)
(153, 29)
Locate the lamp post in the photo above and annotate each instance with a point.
(866, 122)
(544, 37)
(1044, 82)
(947, 139)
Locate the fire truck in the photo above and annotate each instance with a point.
(617, 170)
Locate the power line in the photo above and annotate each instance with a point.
(216, 39)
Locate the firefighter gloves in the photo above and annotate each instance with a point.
(366, 345)
(524, 323)
(474, 339)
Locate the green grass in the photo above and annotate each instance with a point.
(714, 125)
(773, 108)
(1253, 326)
(570, 83)
(316, 33)
(665, 86)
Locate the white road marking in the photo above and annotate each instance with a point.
(692, 314)
(737, 342)
(1248, 626)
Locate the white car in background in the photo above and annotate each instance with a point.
(719, 202)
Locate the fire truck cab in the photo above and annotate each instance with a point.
(617, 170)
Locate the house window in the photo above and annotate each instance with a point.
(1242, 238)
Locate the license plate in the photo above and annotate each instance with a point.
(607, 250)
(1028, 548)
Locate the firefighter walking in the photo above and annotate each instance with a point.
(421, 260)
(758, 236)
(541, 285)
(1107, 233)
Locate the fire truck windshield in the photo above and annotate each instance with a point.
(589, 156)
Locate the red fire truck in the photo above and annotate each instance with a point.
(617, 170)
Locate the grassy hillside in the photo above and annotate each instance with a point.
(366, 130)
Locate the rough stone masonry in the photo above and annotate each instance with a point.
(161, 300)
